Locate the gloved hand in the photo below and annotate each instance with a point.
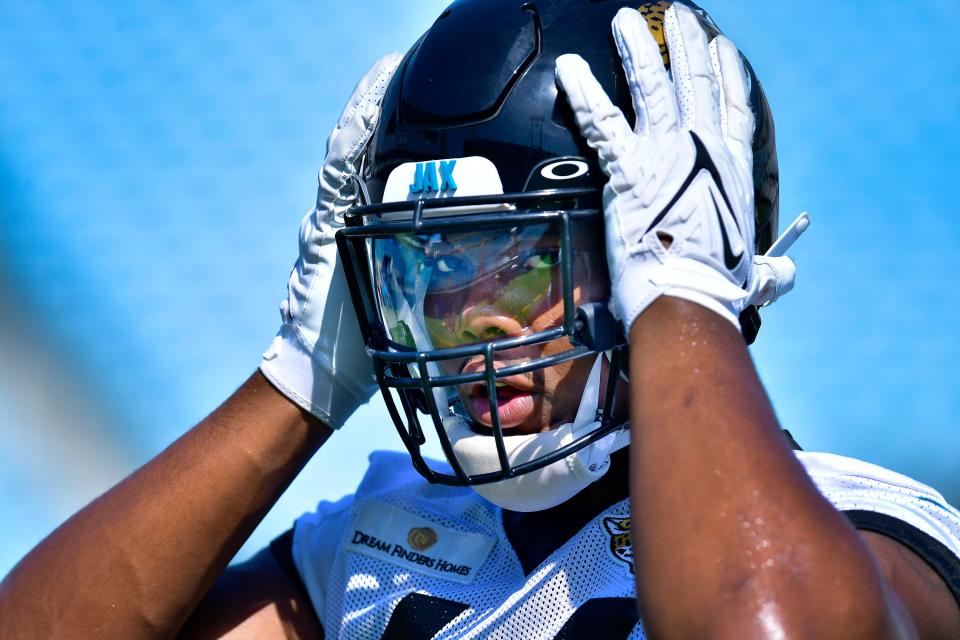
(679, 207)
(318, 359)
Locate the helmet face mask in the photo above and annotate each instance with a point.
(455, 304)
(477, 265)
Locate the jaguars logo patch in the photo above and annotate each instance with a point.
(618, 527)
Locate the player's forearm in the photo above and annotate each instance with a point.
(137, 560)
(731, 538)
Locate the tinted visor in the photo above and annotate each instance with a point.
(439, 290)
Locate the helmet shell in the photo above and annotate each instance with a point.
(481, 82)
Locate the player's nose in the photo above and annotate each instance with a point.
(483, 323)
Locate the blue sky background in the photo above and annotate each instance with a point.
(155, 160)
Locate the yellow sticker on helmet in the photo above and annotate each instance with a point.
(655, 14)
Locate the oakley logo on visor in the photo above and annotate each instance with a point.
(565, 170)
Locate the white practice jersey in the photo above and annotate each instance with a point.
(406, 559)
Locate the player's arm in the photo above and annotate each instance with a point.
(261, 598)
(731, 538)
(921, 590)
(728, 528)
(136, 561)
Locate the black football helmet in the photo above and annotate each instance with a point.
(479, 190)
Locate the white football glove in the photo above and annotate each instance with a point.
(318, 359)
(679, 207)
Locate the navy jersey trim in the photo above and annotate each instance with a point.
(420, 616)
(931, 550)
(601, 618)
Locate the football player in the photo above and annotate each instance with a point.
(547, 250)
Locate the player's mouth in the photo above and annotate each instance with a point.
(514, 406)
(516, 401)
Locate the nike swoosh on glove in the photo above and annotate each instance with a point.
(318, 359)
(679, 210)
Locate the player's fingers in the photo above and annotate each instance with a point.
(653, 97)
(736, 116)
(600, 121)
(360, 115)
(696, 85)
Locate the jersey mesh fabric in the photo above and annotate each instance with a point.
(853, 485)
(361, 592)
(356, 594)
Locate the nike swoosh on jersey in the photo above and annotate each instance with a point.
(702, 162)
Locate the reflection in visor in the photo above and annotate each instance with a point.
(441, 290)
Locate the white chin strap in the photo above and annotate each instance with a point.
(554, 484)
